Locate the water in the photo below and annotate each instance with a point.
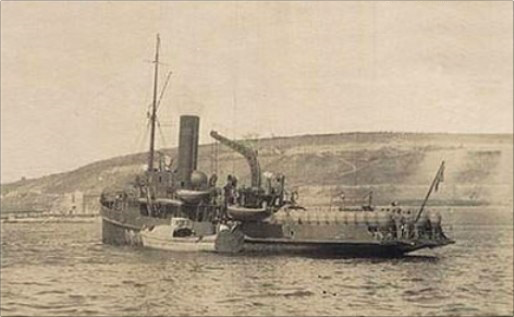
(63, 269)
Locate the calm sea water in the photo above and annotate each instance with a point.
(63, 269)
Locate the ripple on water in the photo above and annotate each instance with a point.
(80, 276)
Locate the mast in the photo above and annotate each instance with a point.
(154, 106)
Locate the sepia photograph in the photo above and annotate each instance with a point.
(257, 158)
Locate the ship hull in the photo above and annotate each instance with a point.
(116, 233)
(122, 227)
(333, 236)
(240, 240)
(338, 248)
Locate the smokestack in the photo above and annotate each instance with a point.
(187, 148)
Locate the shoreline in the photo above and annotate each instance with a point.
(53, 219)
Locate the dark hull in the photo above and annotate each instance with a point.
(338, 248)
(119, 234)
(122, 227)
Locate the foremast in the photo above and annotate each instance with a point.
(153, 115)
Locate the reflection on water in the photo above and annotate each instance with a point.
(63, 269)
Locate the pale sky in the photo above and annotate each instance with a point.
(76, 81)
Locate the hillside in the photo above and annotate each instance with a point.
(396, 166)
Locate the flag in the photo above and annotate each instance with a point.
(440, 176)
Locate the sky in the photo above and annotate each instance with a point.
(76, 77)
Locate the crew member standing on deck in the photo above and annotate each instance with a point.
(234, 182)
(228, 191)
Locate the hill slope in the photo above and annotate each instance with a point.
(396, 166)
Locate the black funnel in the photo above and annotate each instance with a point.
(187, 148)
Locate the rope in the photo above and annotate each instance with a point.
(216, 156)
(163, 89)
(163, 145)
(212, 158)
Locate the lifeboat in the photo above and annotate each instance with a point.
(169, 201)
(247, 214)
(179, 235)
(192, 196)
(163, 201)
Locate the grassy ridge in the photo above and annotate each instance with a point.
(396, 166)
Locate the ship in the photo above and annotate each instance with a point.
(162, 192)
(270, 219)
(263, 217)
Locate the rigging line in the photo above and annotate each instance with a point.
(148, 122)
(141, 138)
(234, 104)
(148, 113)
(217, 156)
(161, 133)
(157, 108)
(212, 158)
(140, 144)
(141, 141)
(164, 89)
(137, 141)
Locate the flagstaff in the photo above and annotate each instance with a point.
(439, 177)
